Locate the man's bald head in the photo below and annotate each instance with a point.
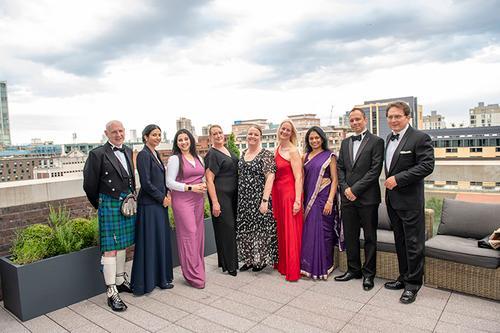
(115, 132)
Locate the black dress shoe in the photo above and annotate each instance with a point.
(258, 268)
(125, 287)
(394, 285)
(116, 303)
(347, 276)
(245, 267)
(233, 273)
(368, 283)
(408, 297)
(167, 286)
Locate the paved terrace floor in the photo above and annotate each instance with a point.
(264, 302)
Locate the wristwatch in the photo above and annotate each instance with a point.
(264, 200)
(190, 188)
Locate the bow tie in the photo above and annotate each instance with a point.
(119, 149)
(394, 137)
(356, 138)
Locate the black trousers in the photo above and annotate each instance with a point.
(409, 237)
(355, 218)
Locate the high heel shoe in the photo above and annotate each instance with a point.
(245, 267)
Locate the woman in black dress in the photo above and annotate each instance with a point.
(256, 226)
(222, 183)
(153, 255)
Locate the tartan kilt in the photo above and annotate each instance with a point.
(116, 232)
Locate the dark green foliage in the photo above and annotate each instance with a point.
(32, 244)
(437, 205)
(231, 145)
(62, 235)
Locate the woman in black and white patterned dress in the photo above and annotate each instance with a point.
(256, 226)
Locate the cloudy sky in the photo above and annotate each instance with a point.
(72, 65)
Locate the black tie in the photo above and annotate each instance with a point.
(394, 137)
(119, 149)
(356, 138)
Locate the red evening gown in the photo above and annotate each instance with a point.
(288, 226)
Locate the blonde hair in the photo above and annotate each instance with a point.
(293, 136)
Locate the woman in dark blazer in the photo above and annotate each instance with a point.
(152, 257)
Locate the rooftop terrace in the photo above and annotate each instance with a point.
(265, 302)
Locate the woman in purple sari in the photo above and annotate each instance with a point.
(322, 227)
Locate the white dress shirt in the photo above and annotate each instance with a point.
(356, 144)
(392, 146)
(173, 171)
(121, 156)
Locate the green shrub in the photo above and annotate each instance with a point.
(58, 216)
(437, 205)
(65, 240)
(83, 229)
(32, 244)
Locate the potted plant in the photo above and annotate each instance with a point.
(52, 266)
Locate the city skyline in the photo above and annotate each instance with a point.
(72, 67)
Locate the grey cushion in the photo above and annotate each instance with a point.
(385, 240)
(383, 218)
(461, 250)
(468, 219)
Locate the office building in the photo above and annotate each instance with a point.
(485, 115)
(186, 124)
(4, 116)
(434, 121)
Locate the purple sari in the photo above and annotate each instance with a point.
(321, 233)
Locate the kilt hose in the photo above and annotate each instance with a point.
(116, 232)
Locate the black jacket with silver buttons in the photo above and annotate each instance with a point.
(103, 173)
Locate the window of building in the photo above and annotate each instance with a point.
(497, 149)
(476, 183)
(451, 150)
(476, 150)
(451, 182)
(429, 182)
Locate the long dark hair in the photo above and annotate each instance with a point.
(177, 151)
(322, 135)
(148, 129)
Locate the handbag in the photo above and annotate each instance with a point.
(129, 205)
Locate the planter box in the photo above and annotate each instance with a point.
(210, 247)
(35, 289)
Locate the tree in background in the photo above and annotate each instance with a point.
(231, 145)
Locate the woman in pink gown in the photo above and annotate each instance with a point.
(287, 202)
(185, 171)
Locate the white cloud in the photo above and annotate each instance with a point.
(267, 60)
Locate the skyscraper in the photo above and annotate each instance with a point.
(4, 116)
(186, 124)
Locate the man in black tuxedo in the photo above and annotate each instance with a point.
(359, 166)
(409, 159)
(108, 177)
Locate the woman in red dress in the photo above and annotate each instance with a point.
(287, 201)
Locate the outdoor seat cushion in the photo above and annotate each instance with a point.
(468, 219)
(385, 240)
(461, 250)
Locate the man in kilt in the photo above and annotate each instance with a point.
(108, 177)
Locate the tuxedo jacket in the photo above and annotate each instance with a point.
(152, 178)
(103, 173)
(413, 160)
(361, 173)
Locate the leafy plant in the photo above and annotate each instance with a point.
(437, 205)
(32, 244)
(65, 240)
(58, 216)
(231, 145)
(85, 230)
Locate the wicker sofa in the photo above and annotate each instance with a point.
(452, 258)
(387, 261)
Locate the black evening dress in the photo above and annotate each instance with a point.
(225, 169)
(152, 266)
